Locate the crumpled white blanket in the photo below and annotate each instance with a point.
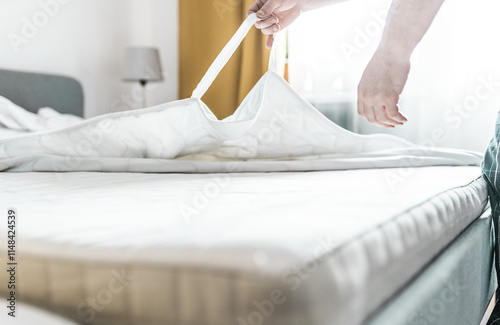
(274, 129)
(14, 117)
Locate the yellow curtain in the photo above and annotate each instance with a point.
(205, 26)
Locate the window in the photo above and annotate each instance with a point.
(453, 91)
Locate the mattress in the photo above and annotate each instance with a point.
(30, 315)
(311, 248)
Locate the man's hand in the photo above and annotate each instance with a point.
(379, 90)
(278, 13)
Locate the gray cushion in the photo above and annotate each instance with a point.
(35, 90)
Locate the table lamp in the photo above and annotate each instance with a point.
(142, 64)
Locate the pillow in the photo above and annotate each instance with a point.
(15, 117)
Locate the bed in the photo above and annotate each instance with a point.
(316, 248)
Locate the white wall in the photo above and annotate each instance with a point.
(85, 39)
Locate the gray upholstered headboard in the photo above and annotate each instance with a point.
(34, 90)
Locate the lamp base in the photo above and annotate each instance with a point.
(143, 84)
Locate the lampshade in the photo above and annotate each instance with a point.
(142, 64)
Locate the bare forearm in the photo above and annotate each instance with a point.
(385, 76)
(278, 14)
(407, 22)
(315, 4)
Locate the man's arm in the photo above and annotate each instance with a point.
(385, 76)
(281, 13)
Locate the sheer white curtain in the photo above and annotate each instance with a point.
(453, 91)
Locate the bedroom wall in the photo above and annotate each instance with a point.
(85, 39)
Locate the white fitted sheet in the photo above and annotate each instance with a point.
(337, 244)
(30, 315)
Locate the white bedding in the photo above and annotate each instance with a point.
(14, 117)
(9, 133)
(204, 248)
(29, 315)
(16, 121)
(266, 133)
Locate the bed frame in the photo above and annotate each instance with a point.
(34, 90)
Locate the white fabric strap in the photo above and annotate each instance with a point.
(273, 57)
(224, 56)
